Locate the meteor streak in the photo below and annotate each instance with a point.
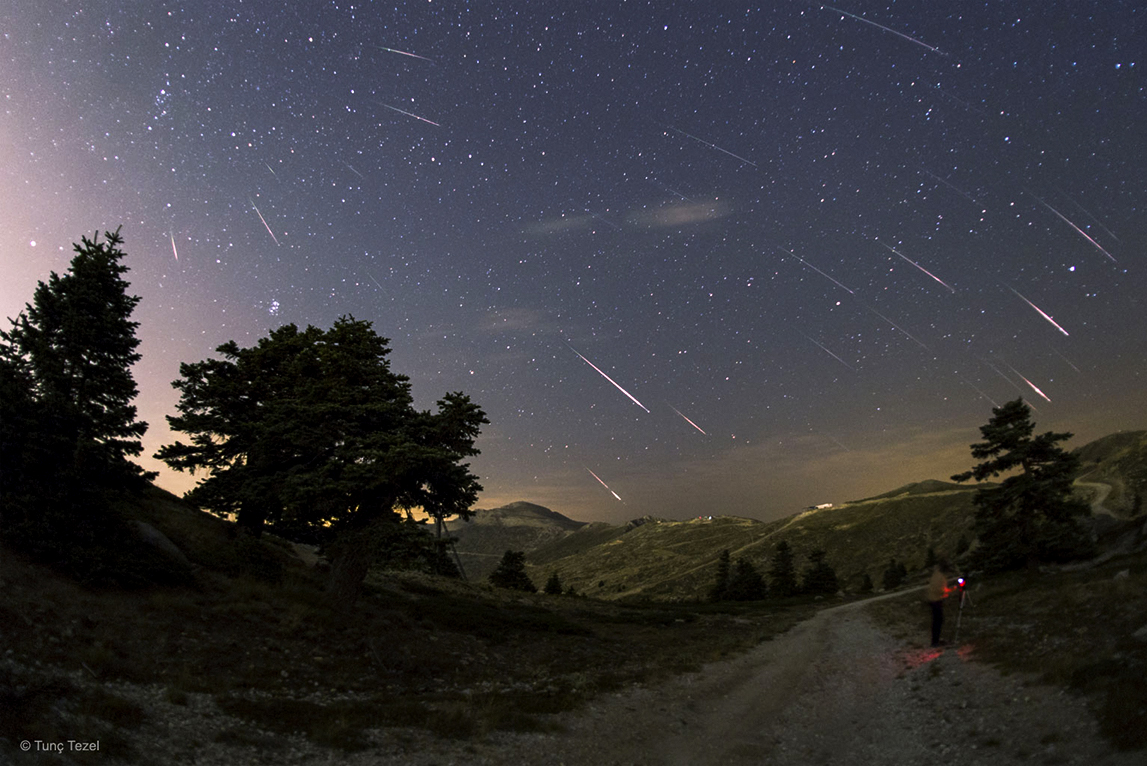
(1080, 231)
(403, 53)
(712, 146)
(1086, 212)
(1025, 380)
(173, 250)
(276, 175)
(1011, 382)
(836, 441)
(608, 223)
(1042, 313)
(962, 193)
(1064, 358)
(825, 350)
(901, 329)
(264, 220)
(977, 390)
(594, 475)
(687, 420)
(922, 269)
(818, 271)
(886, 29)
(611, 380)
(408, 114)
(351, 167)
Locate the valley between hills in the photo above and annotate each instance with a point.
(250, 662)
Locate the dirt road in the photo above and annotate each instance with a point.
(837, 689)
(834, 690)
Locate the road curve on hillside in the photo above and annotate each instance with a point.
(1102, 490)
(836, 689)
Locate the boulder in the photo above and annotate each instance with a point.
(156, 539)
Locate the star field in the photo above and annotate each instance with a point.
(701, 257)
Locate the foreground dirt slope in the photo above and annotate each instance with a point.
(834, 690)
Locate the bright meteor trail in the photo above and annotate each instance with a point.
(264, 220)
(408, 114)
(611, 380)
(594, 475)
(1042, 313)
(1033, 385)
(403, 53)
(923, 269)
(173, 250)
(687, 420)
(1081, 232)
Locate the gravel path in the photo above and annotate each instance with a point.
(834, 690)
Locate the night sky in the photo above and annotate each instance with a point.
(691, 258)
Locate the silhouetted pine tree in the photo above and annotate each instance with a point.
(894, 574)
(67, 361)
(720, 589)
(746, 583)
(68, 426)
(820, 578)
(511, 573)
(783, 572)
(553, 585)
(1030, 517)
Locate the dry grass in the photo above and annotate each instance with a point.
(414, 651)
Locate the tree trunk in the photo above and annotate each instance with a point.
(355, 549)
(354, 552)
(250, 519)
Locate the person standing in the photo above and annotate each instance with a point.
(937, 592)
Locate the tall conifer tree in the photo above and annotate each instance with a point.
(1031, 517)
(68, 358)
(783, 571)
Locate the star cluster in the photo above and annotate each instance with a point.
(689, 257)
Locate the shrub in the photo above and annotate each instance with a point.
(511, 573)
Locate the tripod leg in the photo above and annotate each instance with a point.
(959, 618)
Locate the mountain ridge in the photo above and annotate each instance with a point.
(663, 559)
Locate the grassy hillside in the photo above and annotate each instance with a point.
(658, 559)
(250, 654)
(1119, 461)
(518, 526)
(673, 561)
(669, 560)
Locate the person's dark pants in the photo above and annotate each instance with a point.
(937, 621)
